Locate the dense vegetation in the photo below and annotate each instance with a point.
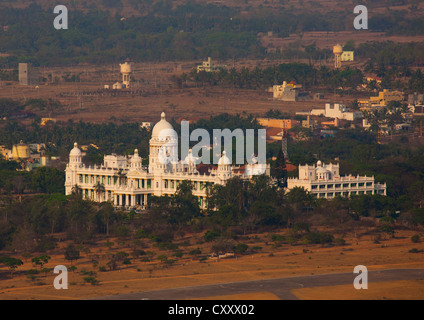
(161, 30)
(240, 206)
(307, 75)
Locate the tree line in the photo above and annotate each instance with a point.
(162, 31)
(254, 78)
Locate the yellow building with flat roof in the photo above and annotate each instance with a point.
(383, 98)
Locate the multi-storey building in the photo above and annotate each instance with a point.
(324, 181)
(125, 181)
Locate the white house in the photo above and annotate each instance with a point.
(337, 110)
(324, 181)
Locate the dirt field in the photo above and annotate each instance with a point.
(270, 262)
(397, 290)
(85, 100)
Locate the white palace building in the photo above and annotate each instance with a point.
(127, 183)
(324, 181)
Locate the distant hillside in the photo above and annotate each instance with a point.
(101, 31)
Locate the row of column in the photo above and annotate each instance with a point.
(118, 199)
(130, 200)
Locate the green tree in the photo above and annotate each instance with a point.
(40, 260)
(11, 263)
(72, 253)
(99, 188)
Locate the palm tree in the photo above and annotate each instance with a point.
(119, 176)
(99, 188)
(76, 189)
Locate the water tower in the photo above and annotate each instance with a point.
(337, 50)
(126, 74)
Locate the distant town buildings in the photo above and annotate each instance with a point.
(276, 129)
(324, 181)
(383, 98)
(416, 99)
(286, 91)
(29, 155)
(347, 56)
(126, 72)
(278, 123)
(416, 110)
(44, 121)
(337, 110)
(209, 66)
(146, 125)
(28, 75)
(342, 56)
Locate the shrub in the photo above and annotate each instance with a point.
(340, 241)
(278, 238)
(316, 237)
(241, 248)
(178, 254)
(32, 271)
(415, 238)
(167, 246)
(211, 235)
(195, 252)
(92, 280)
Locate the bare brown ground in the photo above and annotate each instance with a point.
(159, 94)
(285, 261)
(395, 290)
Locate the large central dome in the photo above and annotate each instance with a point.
(162, 128)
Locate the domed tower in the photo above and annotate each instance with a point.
(136, 160)
(337, 50)
(224, 166)
(190, 162)
(75, 162)
(75, 157)
(163, 145)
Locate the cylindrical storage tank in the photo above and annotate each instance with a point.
(125, 67)
(337, 49)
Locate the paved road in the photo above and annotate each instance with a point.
(280, 287)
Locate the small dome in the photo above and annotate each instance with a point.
(136, 158)
(162, 128)
(319, 163)
(75, 152)
(190, 159)
(224, 160)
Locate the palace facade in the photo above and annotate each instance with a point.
(324, 181)
(126, 182)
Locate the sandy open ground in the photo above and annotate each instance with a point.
(285, 261)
